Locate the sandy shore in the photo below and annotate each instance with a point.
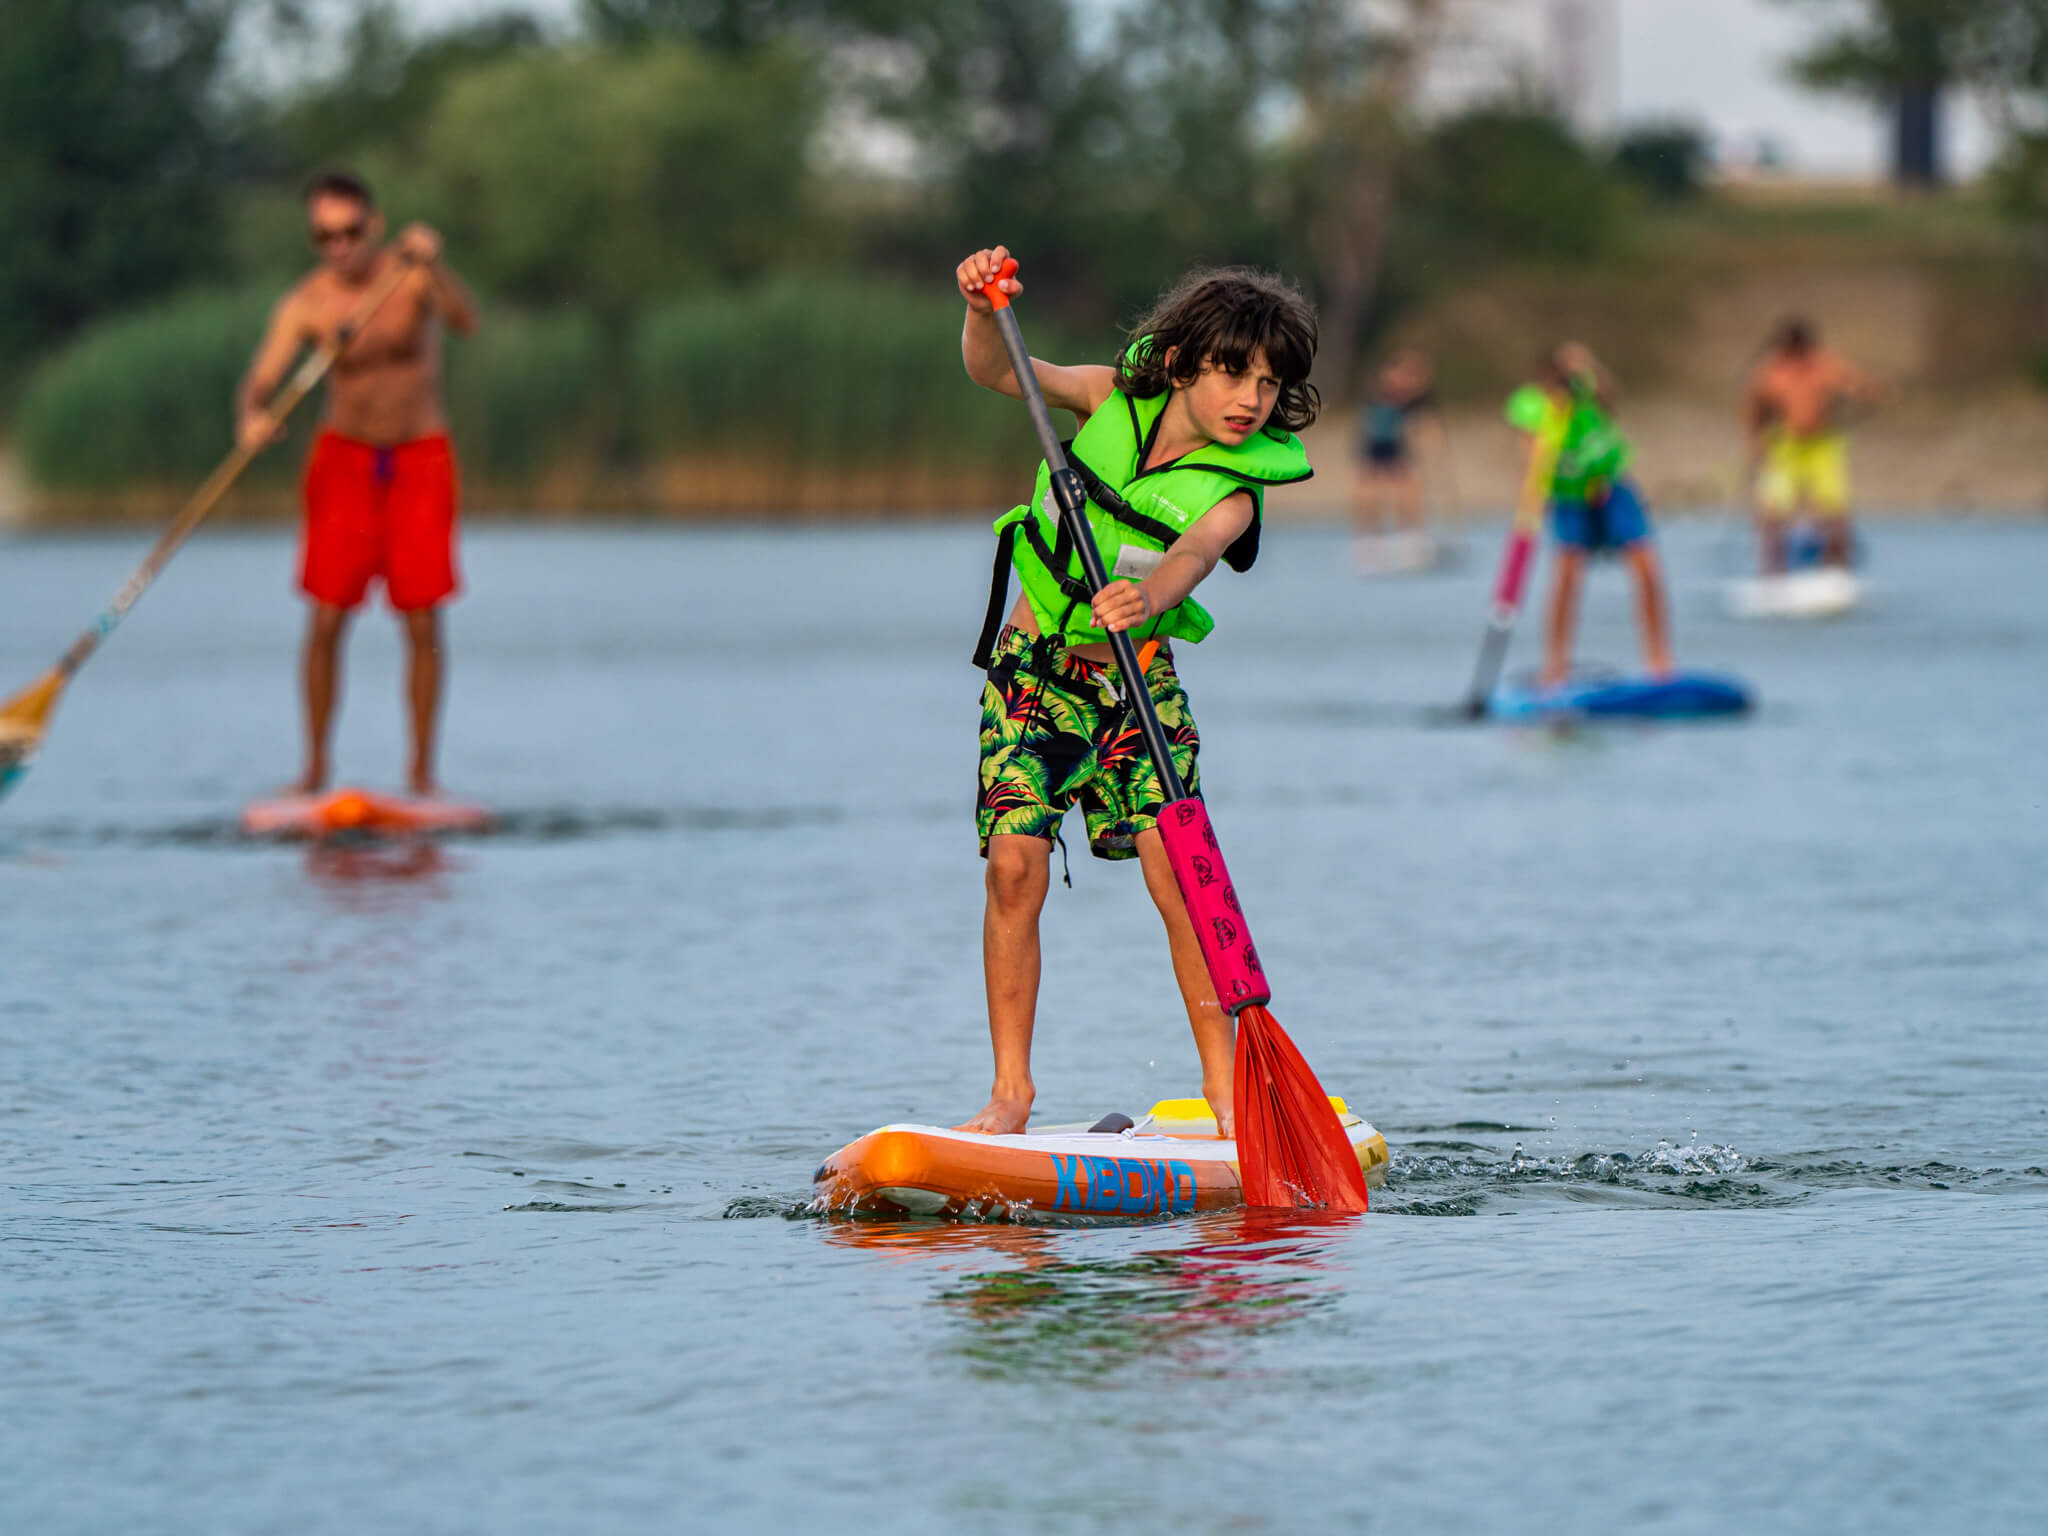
(1989, 458)
(13, 493)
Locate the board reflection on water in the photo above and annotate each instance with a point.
(1177, 1304)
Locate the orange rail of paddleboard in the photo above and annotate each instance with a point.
(925, 1171)
(361, 810)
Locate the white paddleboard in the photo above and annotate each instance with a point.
(1820, 594)
(1396, 554)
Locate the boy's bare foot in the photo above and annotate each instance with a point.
(311, 782)
(421, 782)
(1005, 1115)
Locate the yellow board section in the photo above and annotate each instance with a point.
(1193, 1117)
(1178, 1110)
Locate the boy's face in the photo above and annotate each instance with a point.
(1229, 407)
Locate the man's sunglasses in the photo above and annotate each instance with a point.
(346, 234)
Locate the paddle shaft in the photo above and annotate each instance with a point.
(301, 384)
(1073, 503)
(1500, 620)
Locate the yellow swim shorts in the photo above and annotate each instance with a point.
(1808, 471)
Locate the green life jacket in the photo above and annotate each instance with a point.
(1587, 445)
(1135, 515)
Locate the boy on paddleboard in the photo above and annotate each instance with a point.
(1577, 469)
(1177, 443)
(380, 483)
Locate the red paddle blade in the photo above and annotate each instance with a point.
(1291, 1147)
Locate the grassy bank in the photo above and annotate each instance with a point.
(799, 396)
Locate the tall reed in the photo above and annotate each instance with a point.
(144, 399)
(810, 376)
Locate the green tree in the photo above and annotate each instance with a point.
(1901, 54)
(603, 179)
(1668, 160)
(739, 26)
(2006, 59)
(1513, 181)
(1355, 85)
(108, 158)
(384, 90)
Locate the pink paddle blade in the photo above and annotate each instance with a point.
(1291, 1147)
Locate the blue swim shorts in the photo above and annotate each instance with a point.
(1617, 523)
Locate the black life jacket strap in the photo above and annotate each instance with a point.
(1059, 560)
(1104, 496)
(1243, 551)
(998, 600)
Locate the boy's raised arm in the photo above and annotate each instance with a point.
(1079, 388)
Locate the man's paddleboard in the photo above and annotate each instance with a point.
(1815, 594)
(1681, 696)
(1170, 1162)
(361, 811)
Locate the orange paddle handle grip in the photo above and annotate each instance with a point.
(992, 290)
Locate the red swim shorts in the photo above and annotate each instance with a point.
(386, 512)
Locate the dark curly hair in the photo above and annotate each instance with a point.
(1225, 315)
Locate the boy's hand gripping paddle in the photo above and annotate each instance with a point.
(25, 718)
(1291, 1148)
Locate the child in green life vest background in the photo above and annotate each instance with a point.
(1178, 440)
(1577, 467)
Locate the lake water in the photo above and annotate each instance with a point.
(352, 1191)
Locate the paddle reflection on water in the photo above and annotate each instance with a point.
(1060, 1313)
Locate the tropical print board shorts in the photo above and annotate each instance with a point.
(1055, 731)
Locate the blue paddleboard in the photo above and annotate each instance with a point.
(1681, 696)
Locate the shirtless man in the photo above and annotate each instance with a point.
(380, 482)
(1793, 418)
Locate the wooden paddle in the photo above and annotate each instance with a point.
(25, 718)
(1291, 1147)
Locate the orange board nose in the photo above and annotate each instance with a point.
(348, 808)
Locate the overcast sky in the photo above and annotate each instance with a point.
(1721, 62)
(1718, 62)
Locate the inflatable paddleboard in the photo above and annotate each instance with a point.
(1170, 1162)
(1814, 594)
(1681, 696)
(361, 811)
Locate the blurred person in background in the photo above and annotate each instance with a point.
(380, 482)
(1577, 468)
(1400, 439)
(1794, 418)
